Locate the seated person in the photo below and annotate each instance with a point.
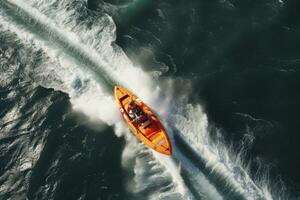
(136, 114)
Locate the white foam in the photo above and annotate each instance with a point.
(94, 102)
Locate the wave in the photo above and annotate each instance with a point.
(81, 51)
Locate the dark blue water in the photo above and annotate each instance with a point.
(242, 57)
(237, 59)
(45, 153)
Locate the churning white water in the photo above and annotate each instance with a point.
(83, 61)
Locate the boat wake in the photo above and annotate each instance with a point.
(81, 59)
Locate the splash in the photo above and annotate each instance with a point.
(88, 54)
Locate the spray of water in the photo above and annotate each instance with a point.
(89, 98)
(100, 57)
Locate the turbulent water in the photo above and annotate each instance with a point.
(209, 69)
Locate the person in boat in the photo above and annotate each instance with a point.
(136, 113)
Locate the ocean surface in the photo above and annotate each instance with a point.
(222, 75)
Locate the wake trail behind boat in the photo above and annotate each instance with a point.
(44, 28)
(40, 25)
(59, 40)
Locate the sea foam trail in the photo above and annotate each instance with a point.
(59, 72)
(65, 71)
(229, 177)
(188, 128)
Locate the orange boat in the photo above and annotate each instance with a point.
(143, 123)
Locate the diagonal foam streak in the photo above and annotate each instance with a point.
(105, 66)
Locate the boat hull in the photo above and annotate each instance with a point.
(153, 134)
